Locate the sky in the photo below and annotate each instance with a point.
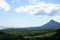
(28, 13)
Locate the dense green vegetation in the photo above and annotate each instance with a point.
(27, 34)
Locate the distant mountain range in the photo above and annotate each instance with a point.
(50, 25)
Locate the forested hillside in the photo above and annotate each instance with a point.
(25, 34)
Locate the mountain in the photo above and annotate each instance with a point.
(51, 25)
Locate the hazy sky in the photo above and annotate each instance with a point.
(26, 13)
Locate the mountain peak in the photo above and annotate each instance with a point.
(51, 24)
(52, 21)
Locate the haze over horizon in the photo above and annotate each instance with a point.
(26, 13)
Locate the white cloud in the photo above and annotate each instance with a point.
(4, 5)
(56, 18)
(32, 1)
(40, 8)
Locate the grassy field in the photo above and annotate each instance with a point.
(23, 34)
(43, 35)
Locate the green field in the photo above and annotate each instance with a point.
(26, 34)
